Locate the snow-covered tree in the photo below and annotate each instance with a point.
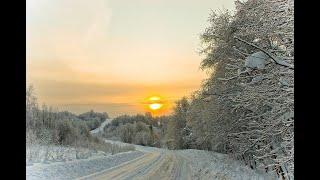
(246, 106)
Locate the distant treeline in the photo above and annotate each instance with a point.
(138, 129)
(92, 119)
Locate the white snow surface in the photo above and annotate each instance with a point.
(58, 162)
(53, 153)
(75, 163)
(137, 147)
(212, 165)
(204, 165)
(78, 168)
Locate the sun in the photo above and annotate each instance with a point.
(155, 103)
(155, 106)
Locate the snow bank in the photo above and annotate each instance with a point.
(78, 168)
(47, 154)
(212, 165)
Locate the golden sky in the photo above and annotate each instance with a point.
(109, 55)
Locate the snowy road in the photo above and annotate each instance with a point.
(154, 164)
(100, 128)
(77, 168)
(157, 163)
(148, 163)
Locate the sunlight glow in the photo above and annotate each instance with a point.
(154, 98)
(75, 53)
(155, 106)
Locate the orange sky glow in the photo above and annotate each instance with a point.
(112, 55)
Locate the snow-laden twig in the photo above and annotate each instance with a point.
(276, 59)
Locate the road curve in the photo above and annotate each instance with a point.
(146, 163)
(164, 164)
(149, 163)
(101, 127)
(154, 164)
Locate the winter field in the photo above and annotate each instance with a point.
(147, 163)
(142, 163)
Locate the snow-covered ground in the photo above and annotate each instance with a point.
(149, 163)
(137, 147)
(59, 162)
(49, 154)
(143, 163)
(78, 168)
(212, 165)
(185, 164)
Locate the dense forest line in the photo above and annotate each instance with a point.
(245, 108)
